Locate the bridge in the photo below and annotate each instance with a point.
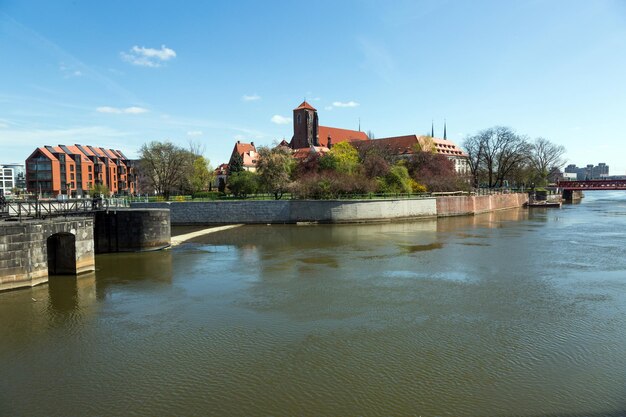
(41, 209)
(592, 185)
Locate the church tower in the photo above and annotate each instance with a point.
(305, 127)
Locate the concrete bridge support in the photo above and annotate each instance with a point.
(572, 195)
(32, 250)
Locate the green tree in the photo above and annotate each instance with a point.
(346, 156)
(201, 174)
(98, 190)
(274, 167)
(243, 183)
(236, 165)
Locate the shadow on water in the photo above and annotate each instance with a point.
(127, 269)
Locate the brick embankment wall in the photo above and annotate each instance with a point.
(294, 211)
(24, 249)
(470, 205)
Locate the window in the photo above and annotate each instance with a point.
(71, 176)
(298, 118)
(90, 176)
(71, 168)
(90, 169)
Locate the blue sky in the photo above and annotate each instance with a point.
(119, 73)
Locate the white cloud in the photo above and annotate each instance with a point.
(148, 57)
(345, 104)
(253, 97)
(116, 110)
(194, 133)
(68, 71)
(135, 110)
(280, 120)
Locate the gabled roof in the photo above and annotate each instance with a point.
(45, 152)
(247, 152)
(305, 105)
(339, 135)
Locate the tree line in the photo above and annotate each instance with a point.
(497, 157)
(344, 170)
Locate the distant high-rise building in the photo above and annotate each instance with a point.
(590, 172)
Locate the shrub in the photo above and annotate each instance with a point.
(211, 195)
(397, 180)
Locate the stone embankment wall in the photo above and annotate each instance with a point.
(131, 230)
(469, 205)
(294, 211)
(331, 211)
(24, 249)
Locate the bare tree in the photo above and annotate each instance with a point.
(545, 156)
(475, 149)
(495, 153)
(165, 165)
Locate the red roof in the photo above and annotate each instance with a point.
(305, 105)
(339, 135)
(304, 153)
(403, 145)
(247, 152)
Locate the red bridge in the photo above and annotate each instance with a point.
(592, 185)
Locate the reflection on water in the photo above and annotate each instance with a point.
(509, 313)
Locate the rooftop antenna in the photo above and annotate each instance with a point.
(432, 128)
(359, 124)
(445, 135)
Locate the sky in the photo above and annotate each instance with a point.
(120, 73)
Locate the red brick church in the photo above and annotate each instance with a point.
(309, 136)
(307, 132)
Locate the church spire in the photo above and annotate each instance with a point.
(445, 135)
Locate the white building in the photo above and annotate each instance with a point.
(11, 176)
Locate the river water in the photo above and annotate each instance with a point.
(513, 313)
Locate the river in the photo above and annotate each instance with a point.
(513, 313)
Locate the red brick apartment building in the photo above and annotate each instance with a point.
(74, 170)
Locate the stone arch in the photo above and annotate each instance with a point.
(61, 248)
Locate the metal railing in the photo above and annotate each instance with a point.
(41, 209)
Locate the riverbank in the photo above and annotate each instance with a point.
(332, 211)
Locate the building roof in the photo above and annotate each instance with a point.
(46, 152)
(339, 135)
(247, 152)
(222, 169)
(305, 105)
(447, 147)
(304, 153)
(405, 145)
